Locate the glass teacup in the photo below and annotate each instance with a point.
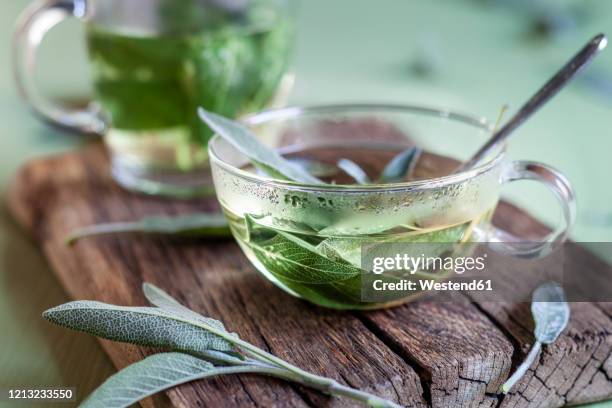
(307, 239)
(153, 62)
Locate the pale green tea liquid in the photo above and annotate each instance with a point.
(150, 86)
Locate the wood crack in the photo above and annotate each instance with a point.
(422, 373)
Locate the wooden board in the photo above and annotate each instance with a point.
(420, 354)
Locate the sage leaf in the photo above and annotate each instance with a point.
(190, 225)
(290, 258)
(346, 249)
(400, 166)
(147, 377)
(349, 248)
(551, 314)
(157, 373)
(354, 170)
(145, 326)
(247, 143)
(161, 299)
(164, 301)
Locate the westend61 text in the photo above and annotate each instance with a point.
(431, 284)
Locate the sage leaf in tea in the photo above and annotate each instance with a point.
(290, 258)
(247, 143)
(144, 326)
(551, 314)
(349, 248)
(189, 225)
(354, 170)
(150, 326)
(400, 167)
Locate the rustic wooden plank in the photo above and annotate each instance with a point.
(460, 352)
(51, 197)
(463, 357)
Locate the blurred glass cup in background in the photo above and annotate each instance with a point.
(153, 62)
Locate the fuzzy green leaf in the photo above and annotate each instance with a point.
(354, 170)
(550, 312)
(296, 260)
(198, 224)
(164, 301)
(161, 299)
(157, 373)
(349, 248)
(147, 377)
(244, 141)
(145, 326)
(400, 166)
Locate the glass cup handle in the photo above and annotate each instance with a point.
(507, 243)
(32, 25)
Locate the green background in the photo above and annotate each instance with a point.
(483, 54)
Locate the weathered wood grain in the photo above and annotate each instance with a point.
(424, 353)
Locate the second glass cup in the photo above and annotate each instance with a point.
(307, 239)
(153, 63)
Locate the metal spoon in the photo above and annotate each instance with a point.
(550, 89)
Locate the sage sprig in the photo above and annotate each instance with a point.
(551, 314)
(199, 347)
(190, 225)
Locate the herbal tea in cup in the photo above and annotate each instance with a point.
(328, 180)
(153, 62)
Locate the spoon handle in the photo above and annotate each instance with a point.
(550, 89)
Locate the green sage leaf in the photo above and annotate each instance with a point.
(145, 326)
(551, 314)
(354, 170)
(154, 374)
(147, 377)
(161, 299)
(164, 301)
(244, 141)
(400, 166)
(194, 225)
(291, 258)
(349, 248)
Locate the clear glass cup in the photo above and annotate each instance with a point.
(153, 62)
(292, 231)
